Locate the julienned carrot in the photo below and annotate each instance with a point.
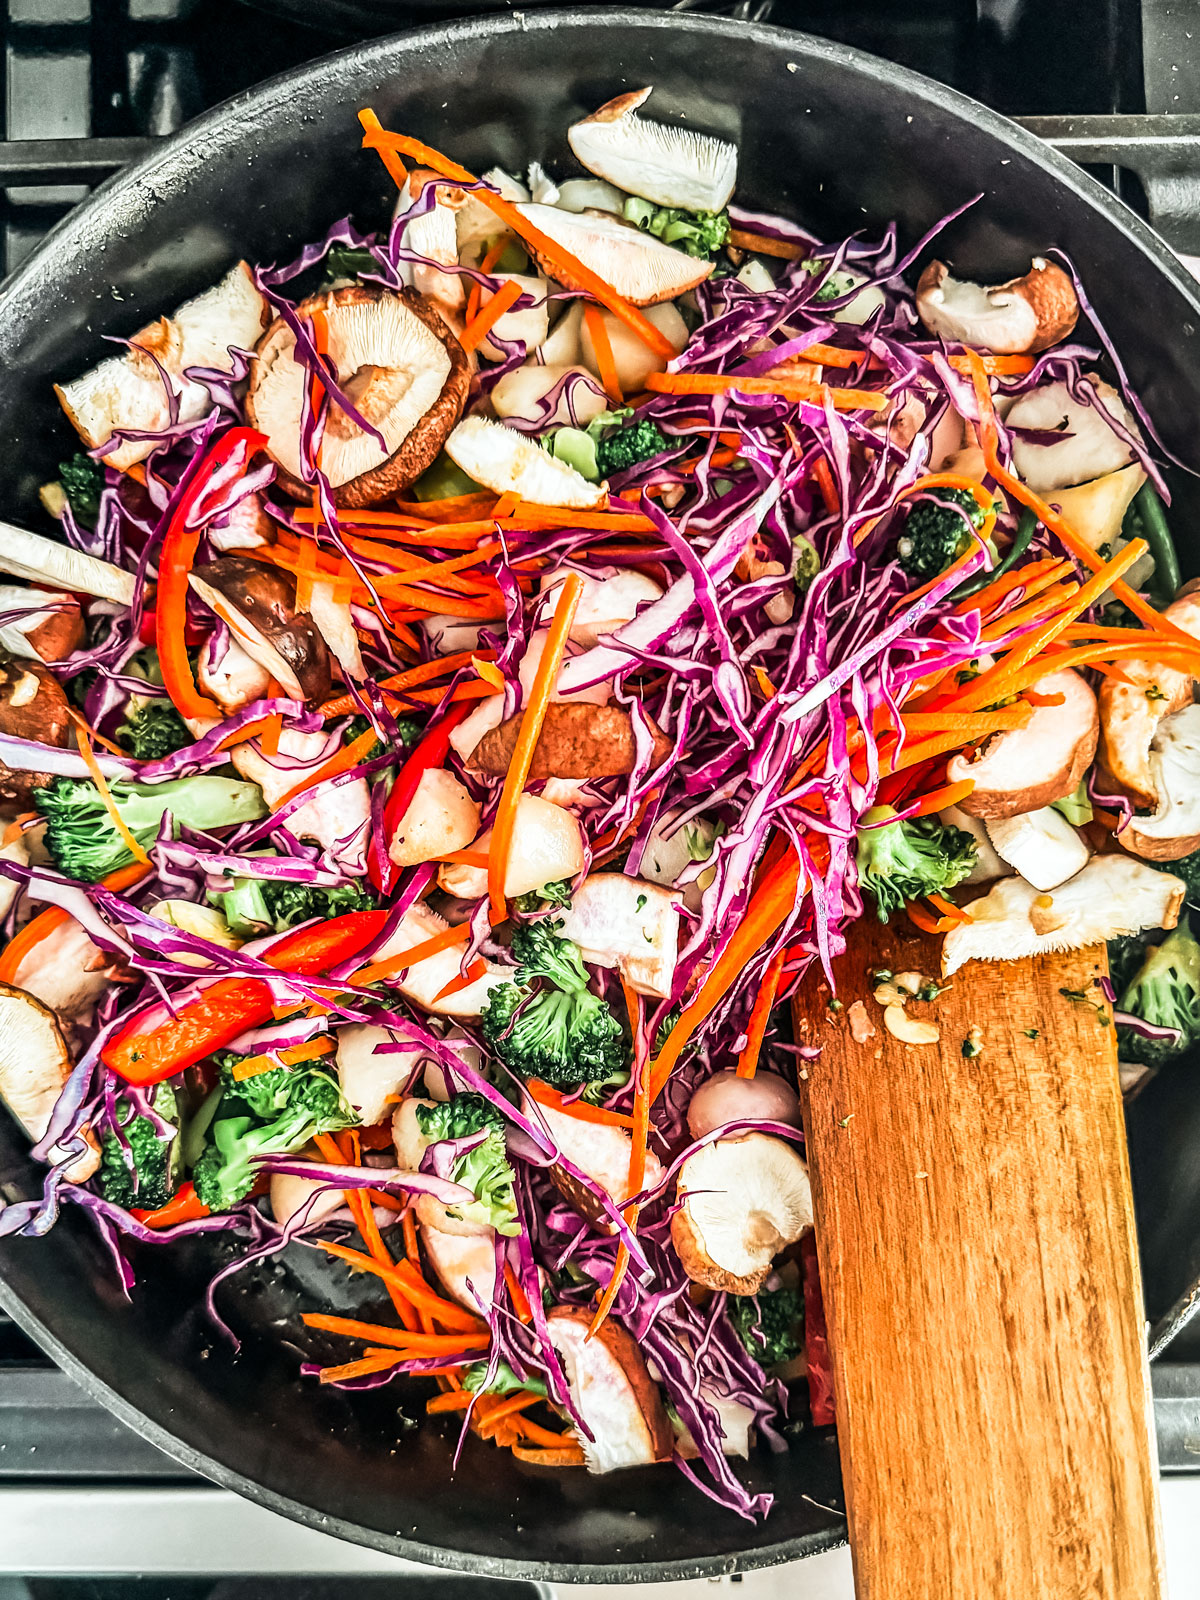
(412, 1344)
(477, 330)
(823, 473)
(251, 1066)
(430, 512)
(971, 724)
(533, 715)
(956, 914)
(1034, 610)
(441, 666)
(581, 277)
(553, 1100)
(566, 1455)
(512, 1405)
(411, 1285)
(452, 1400)
(486, 265)
(341, 761)
(446, 940)
(832, 355)
(638, 1151)
(364, 1217)
(378, 1361)
(760, 1015)
(44, 924)
(82, 723)
(921, 918)
(770, 905)
(593, 319)
(951, 794)
(1032, 578)
(520, 1300)
(763, 245)
(722, 383)
(996, 366)
(464, 980)
(110, 805)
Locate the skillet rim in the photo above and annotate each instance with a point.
(181, 154)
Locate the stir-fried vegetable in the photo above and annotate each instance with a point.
(904, 860)
(1165, 994)
(482, 1167)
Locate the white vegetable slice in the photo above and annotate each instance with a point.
(612, 1390)
(632, 357)
(441, 817)
(670, 165)
(519, 392)
(423, 982)
(546, 847)
(235, 680)
(336, 626)
(741, 1201)
(34, 1066)
(638, 266)
(1089, 448)
(1097, 509)
(589, 194)
(1041, 845)
(606, 604)
(372, 1078)
(600, 1151)
(1112, 896)
(464, 1265)
(337, 818)
(40, 560)
(508, 463)
(627, 923)
(289, 1196)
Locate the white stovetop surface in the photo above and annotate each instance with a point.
(56, 1532)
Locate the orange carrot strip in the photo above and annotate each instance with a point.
(517, 1295)
(341, 761)
(722, 383)
(307, 572)
(972, 725)
(392, 164)
(486, 265)
(579, 276)
(512, 1405)
(593, 319)
(412, 1344)
(83, 725)
(411, 1285)
(251, 1066)
(951, 794)
(452, 1400)
(955, 914)
(760, 1015)
(832, 355)
(464, 980)
(824, 476)
(446, 940)
(379, 1362)
(782, 249)
(1033, 578)
(534, 714)
(477, 330)
(927, 924)
(996, 366)
(110, 805)
(553, 1100)
(565, 1455)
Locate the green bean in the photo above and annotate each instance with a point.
(1157, 534)
(1021, 542)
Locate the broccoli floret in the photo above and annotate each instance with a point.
(903, 860)
(558, 1031)
(835, 285)
(768, 1323)
(1188, 868)
(504, 1381)
(83, 483)
(550, 894)
(1076, 807)
(269, 1114)
(700, 233)
(484, 1169)
(85, 844)
(935, 534)
(625, 447)
(152, 729)
(1164, 992)
(144, 1171)
(666, 1025)
(292, 903)
(1125, 956)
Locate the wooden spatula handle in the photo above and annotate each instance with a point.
(976, 1242)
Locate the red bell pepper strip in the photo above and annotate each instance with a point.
(175, 563)
(430, 752)
(186, 1206)
(231, 1005)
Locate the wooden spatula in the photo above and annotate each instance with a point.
(975, 1234)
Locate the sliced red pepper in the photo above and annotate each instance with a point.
(186, 1206)
(430, 752)
(231, 1005)
(175, 563)
(193, 635)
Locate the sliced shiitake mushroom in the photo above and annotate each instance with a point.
(576, 741)
(669, 164)
(34, 1066)
(48, 635)
(1031, 767)
(1019, 317)
(639, 267)
(506, 462)
(399, 365)
(33, 706)
(612, 1391)
(1133, 707)
(628, 923)
(258, 604)
(741, 1201)
(1173, 829)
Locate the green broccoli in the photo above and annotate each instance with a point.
(85, 844)
(835, 285)
(768, 1323)
(627, 445)
(1077, 806)
(935, 534)
(83, 482)
(700, 233)
(806, 563)
(666, 1025)
(905, 859)
(559, 1031)
(270, 1114)
(347, 261)
(1125, 956)
(484, 1169)
(144, 1172)
(152, 729)
(550, 894)
(1164, 992)
(409, 729)
(1187, 868)
(292, 903)
(504, 1381)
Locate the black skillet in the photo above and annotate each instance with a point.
(826, 134)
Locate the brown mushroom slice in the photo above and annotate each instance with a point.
(612, 1391)
(576, 741)
(663, 162)
(1088, 448)
(398, 364)
(1019, 317)
(1173, 830)
(642, 269)
(34, 1066)
(505, 461)
(464, 1265)
(33, 705)
(1131, 712)
(741, 1201)
(49, 634)
(1114, 895)
(126, 391)
(258, 605)
(1033, 766)
(600, 1151)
